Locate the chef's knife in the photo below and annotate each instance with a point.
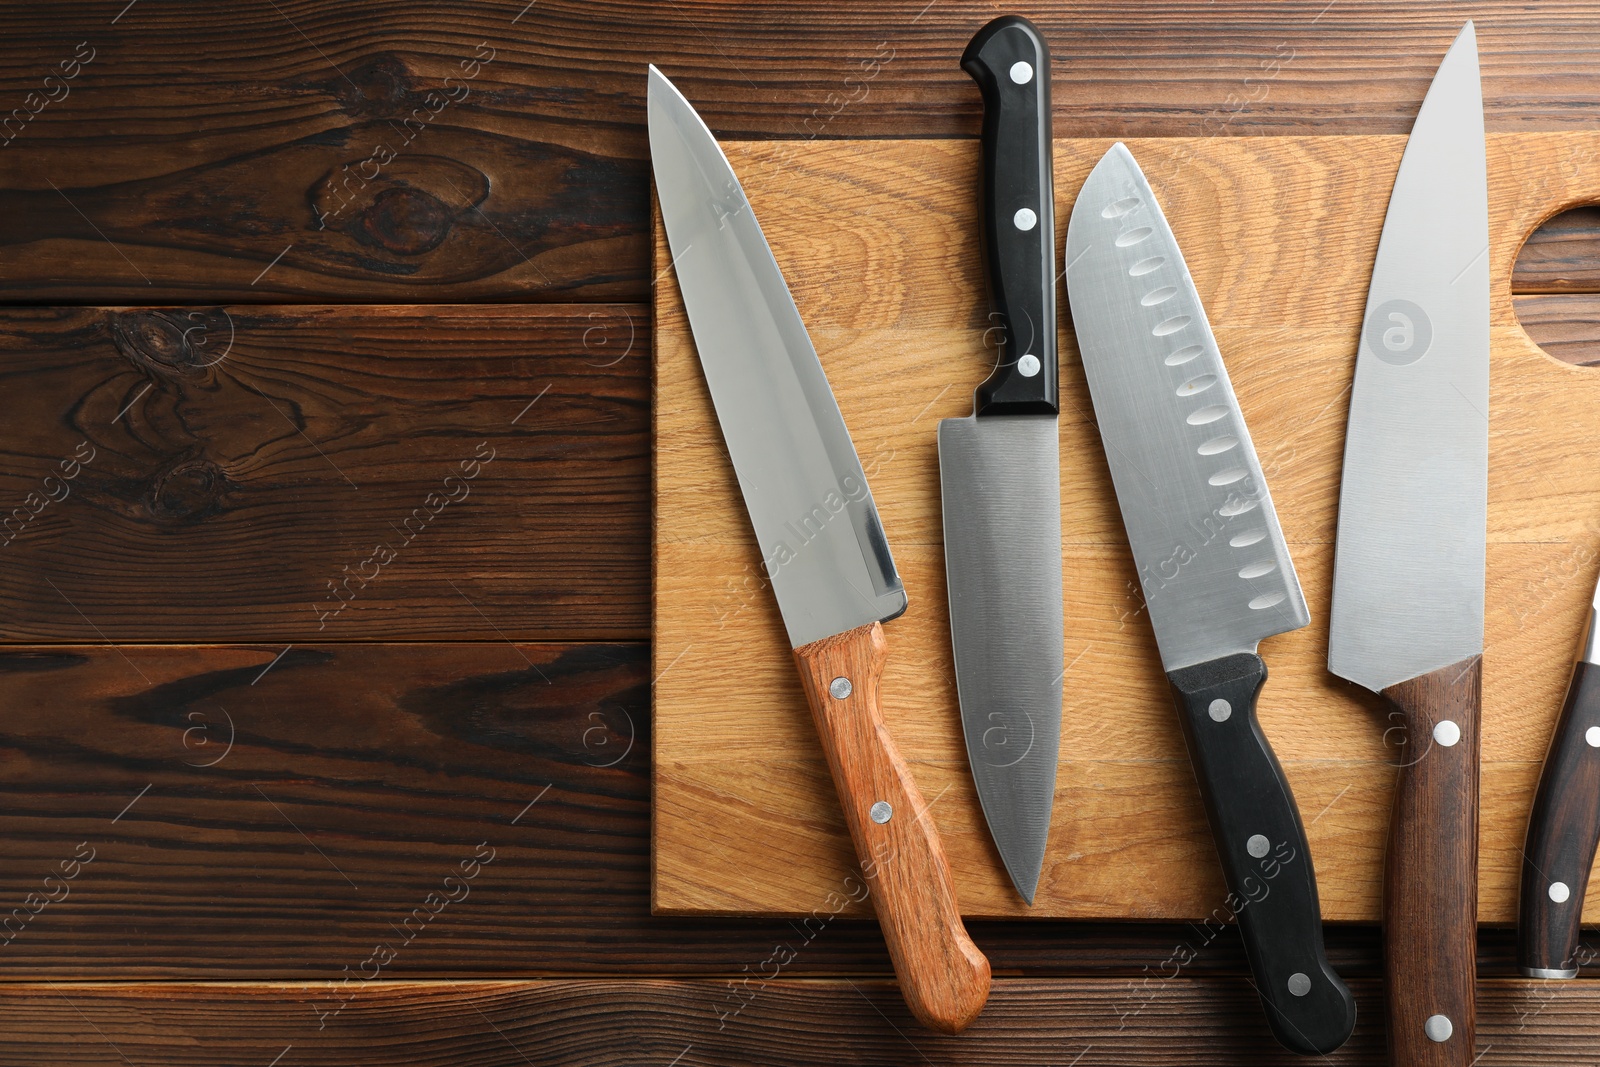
(1214, 568)
(822, 545)
(1409, 561)
(1000, 471)
(1565, 825)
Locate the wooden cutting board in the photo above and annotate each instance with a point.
(878, 241)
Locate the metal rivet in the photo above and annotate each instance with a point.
(1299, 983)
(1028, 365)
(1592, 735)
(840, 688)
(1258, 845)
(1025, 219)
(1559, 892)
(1438, 1028)
(1021, 73)
(1219, 710)
(881, 812)
(1446, 733)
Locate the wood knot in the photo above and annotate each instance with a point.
(408, 222)
(188, 491)
(405, 205)
(183, 342)
(378, 86)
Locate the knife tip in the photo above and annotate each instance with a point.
(1026, 882)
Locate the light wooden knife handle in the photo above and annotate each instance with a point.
(1430, 913)
(943, 976)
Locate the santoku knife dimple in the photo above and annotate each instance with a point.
(1409, 562)
(1214, 568)
(1000, 472)
(1565, 825)
(822, 545)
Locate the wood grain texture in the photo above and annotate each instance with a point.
(1164, 1021)
(1563, 831)
(1566, 326)
(1563, 255)
(1280, 235)
(198, 148)
(902, 867)
(1430, 892)
(323, 473)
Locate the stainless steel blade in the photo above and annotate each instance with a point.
(1409, 565)
(822, 545)
(1211, 558)
(1000, 480)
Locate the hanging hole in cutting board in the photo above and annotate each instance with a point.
(1555, 286)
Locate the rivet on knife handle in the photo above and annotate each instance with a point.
(1009, 61)
(1564, 828)
(1431, 877)
(943, 976)
(1262, 846)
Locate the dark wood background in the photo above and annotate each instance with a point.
(271, 366)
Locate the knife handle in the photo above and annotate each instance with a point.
(943, 976)
(1562, 834)
(1430, 891)
(1272, 887)
(1009, 61)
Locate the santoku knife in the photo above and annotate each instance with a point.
(1214, 569)
(1409, 562)
(822, 545)
(1565, 825)
(1000, 470)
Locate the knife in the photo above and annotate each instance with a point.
(1409, 562)
(1214, 568)
(822, 546)
(1565, 825)
(1000, 470)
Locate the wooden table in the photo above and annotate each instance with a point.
(326, 577)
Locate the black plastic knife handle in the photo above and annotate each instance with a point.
(1255, 824)
(1562, 834)
(1009, 61)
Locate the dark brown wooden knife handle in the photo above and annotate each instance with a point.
(1430, 913)
(943, 976)
(1562, 834)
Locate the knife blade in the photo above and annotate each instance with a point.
(1564, 826)
(1214, 568)
(1000, 472)
(822, 545)
(1408, 583)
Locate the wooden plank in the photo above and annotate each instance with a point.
(1279, 234)
(1563, 255)
(278, 474)
(1567, 326)
(319, 152)
(1178, 1021)
(391, 764)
